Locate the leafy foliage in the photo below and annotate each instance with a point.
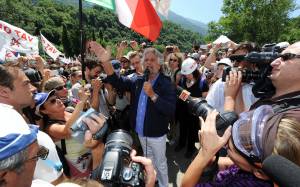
(256, 20)
(59, 23)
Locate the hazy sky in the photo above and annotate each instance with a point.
(204, 10)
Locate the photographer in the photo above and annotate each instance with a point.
(196, 85)
(153, 105)
(99, 94)
(120, 100)
(215, 96)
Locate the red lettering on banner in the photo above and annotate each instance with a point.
(54, 51)
(8, 55)
(15, 42)
(18, 33)
(7, 29)
(46, 48)
(0, 26)
(24, 36)
(29, 38)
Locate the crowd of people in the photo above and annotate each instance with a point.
(137, 91)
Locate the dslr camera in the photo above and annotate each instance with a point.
(103, 78)
(117, 168)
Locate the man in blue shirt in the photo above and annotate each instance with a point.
(152, 105)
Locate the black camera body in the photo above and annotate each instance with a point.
(117, 168)
(103, 78)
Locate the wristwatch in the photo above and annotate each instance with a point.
(154, 98)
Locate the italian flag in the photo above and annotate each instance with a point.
(139, 15)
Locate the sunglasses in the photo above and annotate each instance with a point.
(173, 60)
(42, 153)
(60, 87)
(288, 56)
(124, 61)
(53, 100)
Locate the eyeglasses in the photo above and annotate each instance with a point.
(42, 154)
(124, 61)
(60, 87)
(288, 56)
(173, 60)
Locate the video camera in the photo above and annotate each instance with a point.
(117, 168)
(79, 127)
(263, 87)
(199, 107)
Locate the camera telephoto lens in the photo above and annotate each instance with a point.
(199, 107)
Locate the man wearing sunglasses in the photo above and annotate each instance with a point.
(270, 127)
(19, 150)
(17, 92)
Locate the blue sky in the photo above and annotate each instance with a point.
(204, 10)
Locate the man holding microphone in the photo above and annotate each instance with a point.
(153, 101)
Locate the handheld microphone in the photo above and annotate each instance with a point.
(146, 74)
(282, 171)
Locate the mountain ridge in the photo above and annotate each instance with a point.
(187, 23)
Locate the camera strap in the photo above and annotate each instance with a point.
(286, 104)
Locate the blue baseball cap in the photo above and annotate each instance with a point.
(40, 99)
(117, 66)
(15, 134)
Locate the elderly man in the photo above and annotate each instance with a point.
(153, 102)
(19, 150)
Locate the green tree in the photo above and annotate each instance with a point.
(292, 31)
(59, 21)
(261, 21)
(66, 42)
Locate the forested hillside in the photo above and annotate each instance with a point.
(60, 24)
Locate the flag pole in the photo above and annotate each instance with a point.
(81, 40)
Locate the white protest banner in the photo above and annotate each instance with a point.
(11, 55)
(49, 48)
(15, 39)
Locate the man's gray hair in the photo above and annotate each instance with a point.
(156, 53)
(15, 162)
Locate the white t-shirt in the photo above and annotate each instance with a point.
(40, 183)
(215, 96)
(48, 170)
(75, 154)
